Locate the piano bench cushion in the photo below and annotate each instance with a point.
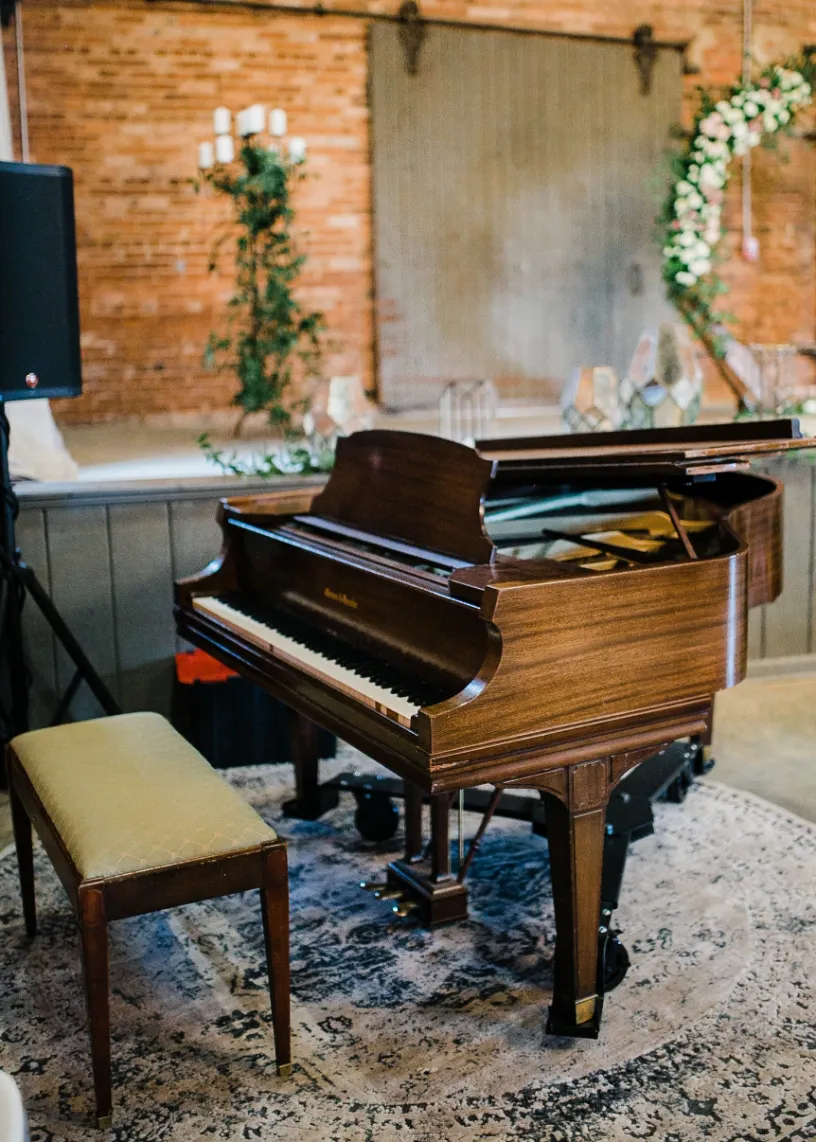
(128, 793)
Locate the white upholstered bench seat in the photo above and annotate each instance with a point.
(128, 793)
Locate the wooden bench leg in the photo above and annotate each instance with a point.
(275, 912)
(93, 928)
(25, 858)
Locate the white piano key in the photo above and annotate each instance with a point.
(318, 665)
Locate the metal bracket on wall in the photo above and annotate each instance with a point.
(645, 56)
(412, 32)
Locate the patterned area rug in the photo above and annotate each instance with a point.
(401, 1035)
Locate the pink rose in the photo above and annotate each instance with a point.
(712, 125)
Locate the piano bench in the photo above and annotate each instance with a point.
(135, 820)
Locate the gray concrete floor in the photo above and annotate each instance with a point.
(764, 741)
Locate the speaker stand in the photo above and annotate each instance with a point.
(17, 582)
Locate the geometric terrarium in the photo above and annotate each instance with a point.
(589, 401)
(664, 384)
(775, 383)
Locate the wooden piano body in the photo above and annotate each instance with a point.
(422, 607)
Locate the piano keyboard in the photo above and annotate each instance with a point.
(375, 683)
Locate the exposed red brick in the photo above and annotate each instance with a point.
(123, 92)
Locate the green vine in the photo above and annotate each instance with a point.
(690, 223)
(307, 458)
(269, 332)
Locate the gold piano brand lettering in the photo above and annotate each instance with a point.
(340, 597)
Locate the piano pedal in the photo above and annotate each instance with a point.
(404, 908)
(390, 893)
(382, 890)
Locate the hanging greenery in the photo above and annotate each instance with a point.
(301, 458)
(691, 220)
(269, 337)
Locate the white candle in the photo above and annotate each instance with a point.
(222, 121)
(241, 124)
(224, 149)
(255, 119)
(297, 149)
(277, 122)
(206, 156)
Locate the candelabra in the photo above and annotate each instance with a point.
(250, 122)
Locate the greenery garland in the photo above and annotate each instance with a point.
(303, 458)
(269, 330)
(691, 220)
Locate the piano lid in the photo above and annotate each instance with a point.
(661, 453)
(421, 490)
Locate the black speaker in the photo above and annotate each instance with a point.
(39, 302)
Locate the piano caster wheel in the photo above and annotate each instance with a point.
(676, 792)
(613, 961)
(703, 761)
(377, 817)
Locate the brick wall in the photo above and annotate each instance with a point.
(122, 92)
(12, 88)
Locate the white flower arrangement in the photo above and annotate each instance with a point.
(691, 221)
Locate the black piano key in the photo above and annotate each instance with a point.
(361, 662)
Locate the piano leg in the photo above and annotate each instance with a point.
(311, 799)
(440, 838)
(413, 823)
(439, 898)
(576, 844)
(704, 762)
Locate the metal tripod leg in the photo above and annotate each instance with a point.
(25, 575)
(18, 579)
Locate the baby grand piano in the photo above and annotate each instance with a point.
(542, 613)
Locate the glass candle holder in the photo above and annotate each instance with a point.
(589, 402)
(775, 377)
(664, 384)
